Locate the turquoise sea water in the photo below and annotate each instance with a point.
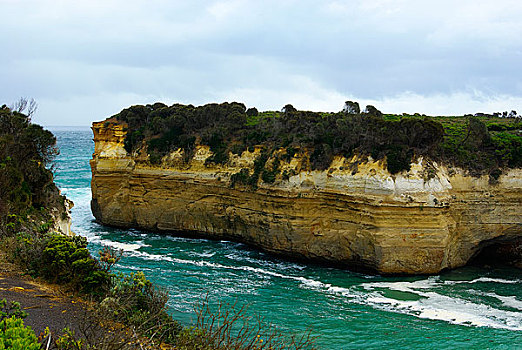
(469, 308)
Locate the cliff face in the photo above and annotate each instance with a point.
(62, 219)
(355, 213)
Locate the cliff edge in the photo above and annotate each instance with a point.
(354, 213)
(29, 198)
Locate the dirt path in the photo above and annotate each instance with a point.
(46, 305)
(49, 305)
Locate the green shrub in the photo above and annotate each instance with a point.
(13, 333)
(26, 182)
(26, 250)
(259, 165)
(508, 148)
(60, 259)
(269, 175)
(155, 157)
(238, 148)
(217, 146)
(398, 159)
(252, 112)
(321, 157)
(219, 157)
(15, 336)
(289, 153)
(11, 309)
(240, 177)
(67, 260)
(135, 301)
(69, 341)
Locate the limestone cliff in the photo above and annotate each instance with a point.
(62, 218)
(355, 213)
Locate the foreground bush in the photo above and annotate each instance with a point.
(13, 333)
(134, 301)
(60, 259)
(131, 300)
(15, 336)
(67, 260)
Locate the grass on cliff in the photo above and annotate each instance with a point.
(480, 144)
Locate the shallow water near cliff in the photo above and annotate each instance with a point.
(467, 308)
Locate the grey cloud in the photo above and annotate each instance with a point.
(198, 51)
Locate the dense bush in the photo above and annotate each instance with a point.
(508, 149)
(11, 309)
(26, 183)
(69, 341)
(60, 259)
(229, 127)
(136, 302)
(269, 175)
(67, 260)
(470, 144)
(240, 177)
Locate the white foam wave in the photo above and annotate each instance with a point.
(126, 247)
(509, 301)
(485, 280)
(77, 194)
(403, 286)
(280, 265)
(430, 283)
(204, 254)
(306, 281)
(435, 306)
(453, 310)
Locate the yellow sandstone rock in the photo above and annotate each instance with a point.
(355, 213)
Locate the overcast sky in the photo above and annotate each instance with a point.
(83, 61)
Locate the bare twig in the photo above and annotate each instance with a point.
(228, 327)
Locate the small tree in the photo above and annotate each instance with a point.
(22, 104)
(252, 112)
(371, 110)
(288, 109)
(477, 134)
(351, 107)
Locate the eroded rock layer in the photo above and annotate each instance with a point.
(354, 214)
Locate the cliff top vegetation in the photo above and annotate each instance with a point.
(481, 144)
(26, 179)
